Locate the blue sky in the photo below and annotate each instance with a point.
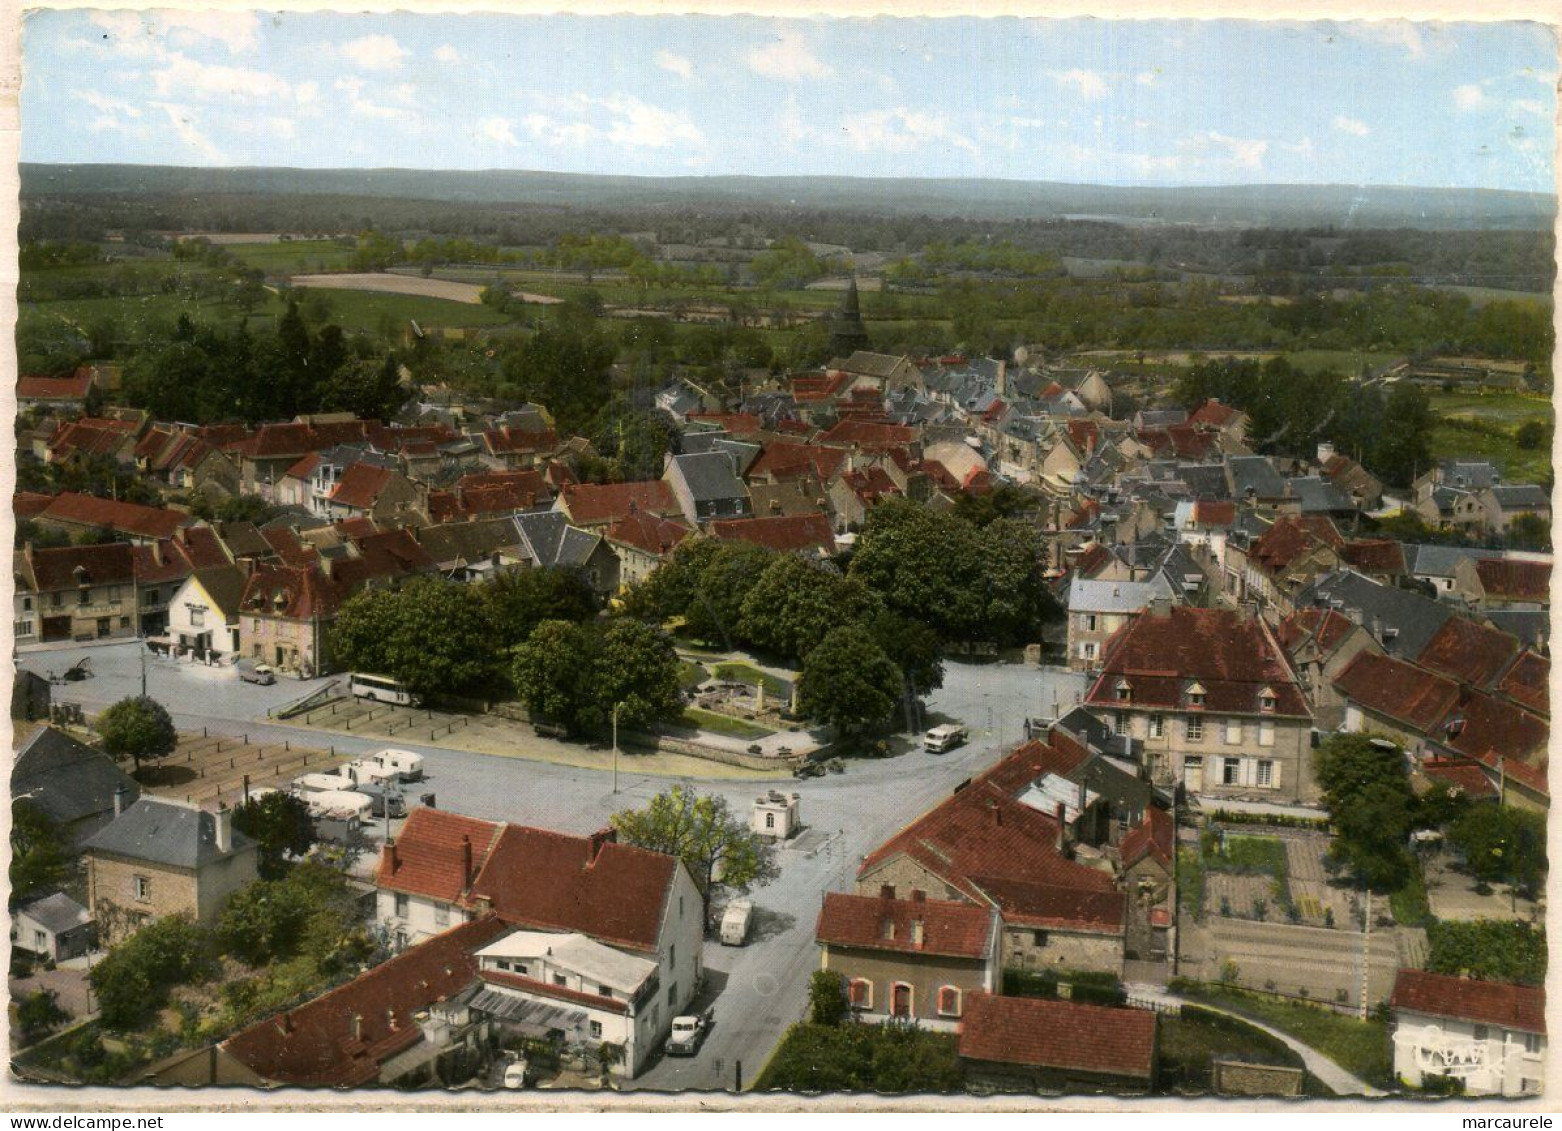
(1117, 102)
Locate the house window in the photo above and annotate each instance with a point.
(1038, 938)
(1266, 703)
(672, 955)
(1481, 1033)
(142, 886)
(770, 820)
(113, 592)
(1195, 727)
(1196, 697)
(56, 599)
(672, 996)
(948, 1001)
(402, 905)
(1266, 773)
(1231, 771)
(149, 599)
(900, 1004)
(197, 618)
(40, 940)
(1233, 732)
(596, 1028)
(441, 914)
(502, 963)
(84, 597)
(27, 604)
(1120, 723)
(1089, 650)
(254, 624)
(1090, 622)
(522, 969)
(1125, 693)
(604, 991)
(1157, 726)
(859, 991)
(560, 980)
(1266, 733)
(22, 627)
(1532, 1042)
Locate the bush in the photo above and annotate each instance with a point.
(827, 1000)
(134, 980)
(39, 1014)
(1488, 948)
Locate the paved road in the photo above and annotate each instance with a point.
(762, 987)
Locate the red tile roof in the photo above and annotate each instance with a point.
(1085, 434)
(779, 532)
(34, 388)
(289, 547)
(1466, 776)
(84, 438)
(341, 1038)
(1326, 628)
(1153, 836)
(612, 892)
(515, 442)
(1528, 683)
(360, 486)
(783, 459)
(28, 504)
(290, 592)
(55, 569)
(1026, 904)
(870, 484)
(1214, 513)
(429, 857)
(595, 504)
(1468, 999)
(1233, 657)
(1041, 1033)
(1469, 652)
(272, 441)
(647, 532)
(739, 424)
(1292, 536)
(956, 930)
(818, 387)
(1183, 441)
(1375, 555)
(304, 468)
(857, 433)
(1213, 413)
(1513, 580)
(1397, 690)
(1493, 731)
(131, 518)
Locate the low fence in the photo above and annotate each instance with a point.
(665, 744)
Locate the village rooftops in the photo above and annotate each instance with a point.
(1062, 1035)
(130, 518)
(592, 504)
(1509, 579)
(68, 779)
(1468, 999)
(1398, 690)
(165, 832)
(788, 533)
(914, 925)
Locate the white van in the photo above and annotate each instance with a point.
(735, 921)
(946, 737)
(406, 765)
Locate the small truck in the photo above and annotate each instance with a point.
(688, 1034)
(734, 923)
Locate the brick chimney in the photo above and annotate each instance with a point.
(223, 822)
(391, 857)
(997, 811)
(1060, 814)
(596, 841)
(916, 932)
(285, 1022)
(918, 895)
(119, 800)
(466, 860)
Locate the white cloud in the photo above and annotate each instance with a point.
(1304, 148)
(108, 104)
(368, 108)
(1146, 78)
(497, 129)
(1353, 126)
(788, 57)
(181, 76)
(900, 131)
(676, 64)
(1389, 33)
(1243, 152)
(638, 124)
(238, 31)
(375, 52)
(582, 120)
(306, 92)
(1531, 106)
(791, 124)
(1469, 96)
(184, 119)
(445, 53)
(1091, 84)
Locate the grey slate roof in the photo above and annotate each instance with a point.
(57, 913)
(1255, 472)
(710, 476)
(1533, 626)
(1521, 496)
(67, 779)
(1319, 496)
(1428, 560)
(1089, 595)
(1474, 474)
(1411, 618)
(162, 832)
(552, 541)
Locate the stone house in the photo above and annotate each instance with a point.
(1320, 644)
(160, 857)
(707, 487)
(74, 593)
(1503, 503)
(1490, 1036)
(203, 614)
(53, 928)
(1030, 1045)
(1098, 609)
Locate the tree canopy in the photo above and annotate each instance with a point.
(138, 728)
(849, 682)
(576, 674)
(433, 636)
(703, 832)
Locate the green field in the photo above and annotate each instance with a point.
(288, 257)
(1482, 426)
(136, 313)
(366, 310)
(1480, 296)
(740, 672)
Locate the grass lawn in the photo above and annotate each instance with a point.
(136, 314)
(1190, 879)
(1189, 1045)
(1359, 1047)
(365, 310)
(288, 257)
(691, 675)
(1470, 424)
(740, 672)
(723, 724)
(1348, 362)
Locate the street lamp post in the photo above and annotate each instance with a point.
(616, 708)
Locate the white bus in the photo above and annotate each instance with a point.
(380, 688)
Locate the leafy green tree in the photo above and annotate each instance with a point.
(134, 980)
(1493, 949)
(848, 682)
(1404, 442)
(576, 674)
(1367, 791)
(634, 441)
(703, 832)
(564, 367)
(40, 860)
(1529, 532)
(1003, 501)
(925, 565)
(39, 1014)
(280, 825)
(517, 602)
(827, 1002)
(1531, 435)
(911, 645)
(715, 608)
(795, 603)
(1016, 601)
(138, 728)
(1502, 843)
(670, 588)
(430, 634)
(909, 1060)
(369, 389)
(310, 912)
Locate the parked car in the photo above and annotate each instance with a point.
(251, 671)
(516, 1071)
(688, 1034)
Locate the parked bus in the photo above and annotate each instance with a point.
(380, 688)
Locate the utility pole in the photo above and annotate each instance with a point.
(1366, 953)
(142, 651)
(616, 708)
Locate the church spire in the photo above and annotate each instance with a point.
(848, 333)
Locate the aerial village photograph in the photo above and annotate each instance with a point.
(968, 558)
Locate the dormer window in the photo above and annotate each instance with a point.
(1266, 700)
(1125, 691)
(1196, 695)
